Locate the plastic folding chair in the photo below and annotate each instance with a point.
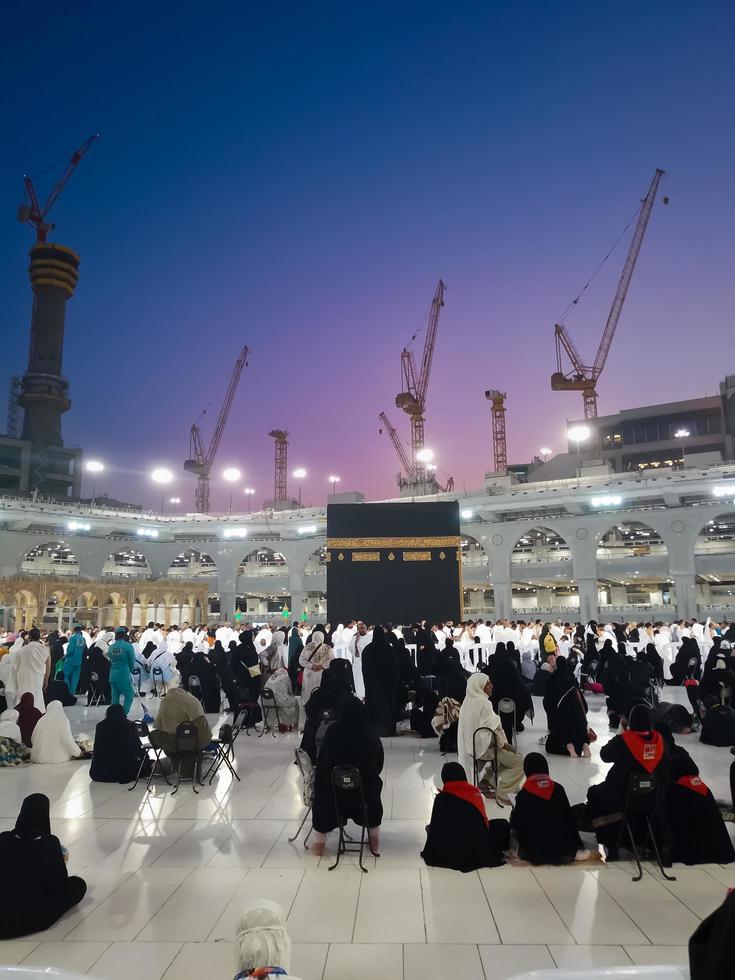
(306, 770)
(142, 731)
(269, 707)
(507, 712)
(157, 678)
(94, 695)
(225, 752)
(347, 787)
(641, 805)
(187, 750)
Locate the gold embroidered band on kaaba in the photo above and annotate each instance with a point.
(349, 544)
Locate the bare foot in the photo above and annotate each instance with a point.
(572, 751)
(586, 752)
(374, 838)
(317, 848)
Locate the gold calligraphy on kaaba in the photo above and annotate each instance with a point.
(443, 541)
(366, 556)
(417, 556)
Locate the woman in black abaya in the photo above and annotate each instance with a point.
(200, 666)
(380, 673)
(117, 749)
(566, 714)
(542, 818)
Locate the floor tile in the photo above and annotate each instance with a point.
(195, 846)
(324, 908)
(502, 962)
(390, 907)
(437, 962)
(585, 957)
(197, 960)
(249, 845)
(656, 912)
(696, 889)
(192, 910)
(308, 960)
(658, 955)
(588, 911)
(122, 916)
(510, 890)
(101, 883)
(143, 961)
(364, 962)
(77, 957)
(455, 906)
(277, 884)
(13, 951)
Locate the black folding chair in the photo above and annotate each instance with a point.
(347, 789)
(187, 750)
(157, 678)
(142, 731)
(479, 764)
(641, 805)
(225, 752)
(306, 770)
(135, 672)
(507, 712)
(195, 687)
(94, 694)
(269, 707)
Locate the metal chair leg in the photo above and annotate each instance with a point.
(301, 826)
(635, 852)
(658, 853)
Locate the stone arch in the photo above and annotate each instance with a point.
(542, 574)
(540, 543)
(632, 568)
(474, 554)
(192, 563)
(714, 560)
(263, 560)
(316, 563)
(127, 563)
(50, 557)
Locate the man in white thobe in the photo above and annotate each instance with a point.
(359, 641)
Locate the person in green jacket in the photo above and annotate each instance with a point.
(122, 662)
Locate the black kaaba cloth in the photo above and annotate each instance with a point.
(394, 563)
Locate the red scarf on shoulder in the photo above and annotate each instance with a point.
(647, 748)
(540, 785)
(694, 783)
(467, 792)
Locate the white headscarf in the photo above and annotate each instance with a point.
(52, 740)
(261, 938)
(9, 726)
(476, 712)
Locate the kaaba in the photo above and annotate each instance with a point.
(394, 563)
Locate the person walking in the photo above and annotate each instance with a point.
(75, 649)
(122, 662)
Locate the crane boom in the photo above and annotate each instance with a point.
(397, 445)
(564, 340)
(31, 212)
(429, 344)
(626, 275)
(226, 405)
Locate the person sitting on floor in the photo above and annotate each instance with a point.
(566, 714)
(28, 716)
(38, 888)
(699, 832)
(350, 741)
(52, 738)
(478, 713)
(542, 819)
(541, 677)
(459, 835)
(639, 749)
(262, 944)
(117, 750)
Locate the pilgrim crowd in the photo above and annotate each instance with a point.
(470, 687)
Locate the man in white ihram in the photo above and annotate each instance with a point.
(357, 644)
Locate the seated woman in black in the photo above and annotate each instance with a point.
(651, 657)
(459, 835)
(542, 675)
(566, 714)
(350, 741)
(507, 683)
(639, 749)
(688, 662)
(38, 888)
(117, 750)
(208, 692)
(699, 832)
(542, 819)
(327, 697)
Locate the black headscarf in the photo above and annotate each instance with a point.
(535, 764)
(639, 719)
(149, 648)
(33, 820)
(453, 772)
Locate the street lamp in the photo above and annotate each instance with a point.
(248, 491)
(579, 434)
(232, 474)
(545, 453)
(94, 467)
(334, 480)
(299, 475)
(682, 434)
(174, 500)
(162, 477)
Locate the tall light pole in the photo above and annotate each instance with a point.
(174, 500)
(682, 434)
(334, 480)
(232, 474)
(545, 453)
(162, 476)
(94, 467)
(248, 491)
(299, 475)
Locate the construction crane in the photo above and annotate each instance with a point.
(410, 476)
(581, 377)
(500, 447)
(30, 211)
(414, 387)
(281, 462)
(200, 462)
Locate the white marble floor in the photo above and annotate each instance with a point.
(168, 876)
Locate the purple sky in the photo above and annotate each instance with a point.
(297, 178)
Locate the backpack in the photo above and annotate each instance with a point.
(718, 726)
